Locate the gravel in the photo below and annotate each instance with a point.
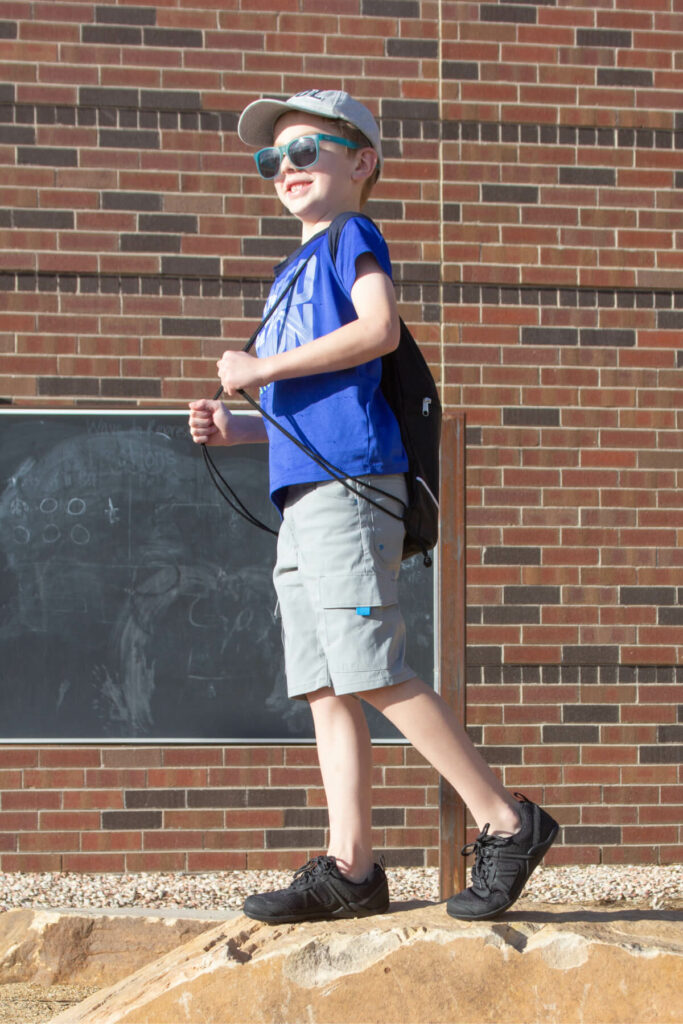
(653, 885)
(33, 1004)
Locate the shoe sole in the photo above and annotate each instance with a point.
(331, 915)
(539, 853)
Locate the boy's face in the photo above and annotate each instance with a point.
(315, 195)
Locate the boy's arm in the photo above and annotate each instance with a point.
(373, 334)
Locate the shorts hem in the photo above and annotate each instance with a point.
(349, 683)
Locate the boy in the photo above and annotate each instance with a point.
(318, 367)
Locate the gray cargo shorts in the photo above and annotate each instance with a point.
(336, 578)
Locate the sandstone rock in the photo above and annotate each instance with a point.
(549, 965)
(89, 948)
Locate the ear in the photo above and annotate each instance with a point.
(364, 164)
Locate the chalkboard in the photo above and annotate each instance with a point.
(134, 603)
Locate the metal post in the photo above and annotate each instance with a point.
(451, 607)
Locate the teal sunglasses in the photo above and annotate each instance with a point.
(301, 152)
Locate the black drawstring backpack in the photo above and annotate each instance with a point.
(409, 388)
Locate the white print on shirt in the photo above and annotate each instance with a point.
(292, 324)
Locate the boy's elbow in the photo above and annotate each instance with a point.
(381, 335)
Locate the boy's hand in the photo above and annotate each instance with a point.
(239, 371)
(210, 422)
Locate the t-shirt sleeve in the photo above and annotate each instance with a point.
(359, 236)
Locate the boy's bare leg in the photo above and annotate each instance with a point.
(345, 755)
(434, 730)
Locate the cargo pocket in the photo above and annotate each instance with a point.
(364, 631)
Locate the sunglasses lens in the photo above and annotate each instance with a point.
(303, 152)
(269, 162)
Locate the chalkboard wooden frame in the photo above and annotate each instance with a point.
(79, 485)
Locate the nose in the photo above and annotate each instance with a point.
(282, 169)
(285, 164)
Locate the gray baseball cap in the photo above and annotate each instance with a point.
(258, 119)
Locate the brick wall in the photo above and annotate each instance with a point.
(533, 201)
(200, 808)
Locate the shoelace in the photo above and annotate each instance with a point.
(487, 849)
(316, 865)
(483, 849)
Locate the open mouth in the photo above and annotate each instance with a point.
(296, 186)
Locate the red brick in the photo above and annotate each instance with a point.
(609, 815)
(109, 778)
(418, 837)
(31, 862)
(608, 754)
(671, 854)
(395, 755)
(64, 778)
(316, 797)
(155, 861)
(562, 855)
(131, 757)
(520, 735)
(412, 776)
(531, 713)
(95, 799)
(624, 854)
(48, 842)
(295, 776)
(35, 799)
(594, 773)
(268, 860)
(104, 842)
(532, 775)
(551, 754)
(631, 794)
(95, 863)
(419, 817)
(170, 839)
(194, 819)
(235, 839)
(398, 797)
(652, 836)
(580, 795)
(11, 779)
(635, 734)
(18, 757)
(648, 713)
(261, 755)
(239, 777)
(75, 821)
(218, 860)
(177, 778)
(18, 821)
(563, 694)
(665, 813)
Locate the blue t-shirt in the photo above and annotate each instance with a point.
(343, 415)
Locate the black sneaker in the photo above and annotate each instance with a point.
(319, 892)
(503, 864)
